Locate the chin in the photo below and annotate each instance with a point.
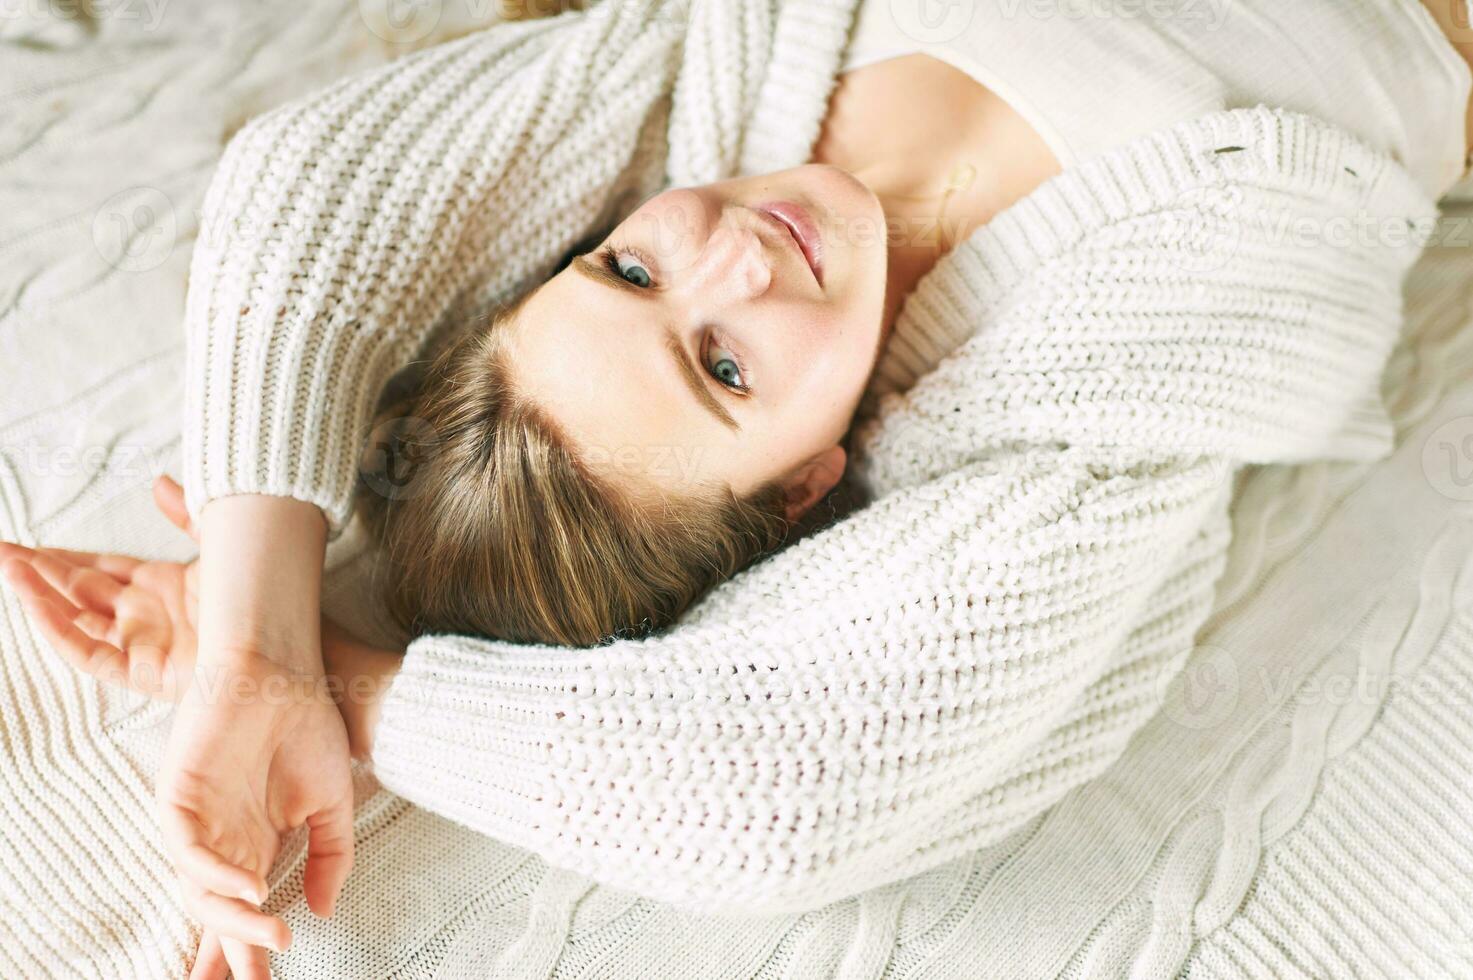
(839, 192)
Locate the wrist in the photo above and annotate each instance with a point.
(260, 579)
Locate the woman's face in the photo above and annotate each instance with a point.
(702, 343)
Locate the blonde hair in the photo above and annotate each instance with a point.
(503, 531)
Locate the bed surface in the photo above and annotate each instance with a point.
(1302, 806)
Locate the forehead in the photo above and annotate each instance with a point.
(591, 360)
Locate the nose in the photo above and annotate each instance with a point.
(733, 265)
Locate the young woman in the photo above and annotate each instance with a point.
(657, 412)
(923, 142)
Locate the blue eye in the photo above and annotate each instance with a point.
(629, 267)
(728, 372)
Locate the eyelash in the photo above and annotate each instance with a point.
(609, 256)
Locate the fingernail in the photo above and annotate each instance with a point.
(253, 896)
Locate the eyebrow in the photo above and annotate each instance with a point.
(602, 274)
(599, 274)
(699, 388)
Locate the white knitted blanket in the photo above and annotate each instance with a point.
(478, 900)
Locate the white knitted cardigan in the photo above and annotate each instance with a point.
(1050, 439)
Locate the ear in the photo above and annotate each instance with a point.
(807, 484)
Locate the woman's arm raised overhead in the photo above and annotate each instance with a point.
(344, 229)
(778, 763)
(926, 676)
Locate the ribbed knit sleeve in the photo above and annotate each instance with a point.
(341, 231)
(939, 668)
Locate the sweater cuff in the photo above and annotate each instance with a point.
(458, 737)
(260, 420)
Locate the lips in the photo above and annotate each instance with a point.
(796, 219)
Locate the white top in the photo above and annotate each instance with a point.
(1090, 74)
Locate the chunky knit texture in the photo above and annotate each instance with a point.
(1050, 440)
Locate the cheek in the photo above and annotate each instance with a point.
(831, 358)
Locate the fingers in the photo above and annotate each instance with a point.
(209, 960)
(86, 587)
(168, 497)
(237, 921)
(204, 867)
(57, 619)
(29, 587)
(329, 856)
(246, 962)
(11, 551)
(120, 567)
(221, 954)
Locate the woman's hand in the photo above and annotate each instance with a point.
(118, 619)
(255, 753)
(257, 747)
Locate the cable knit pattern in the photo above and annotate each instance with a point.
(1049, 440)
